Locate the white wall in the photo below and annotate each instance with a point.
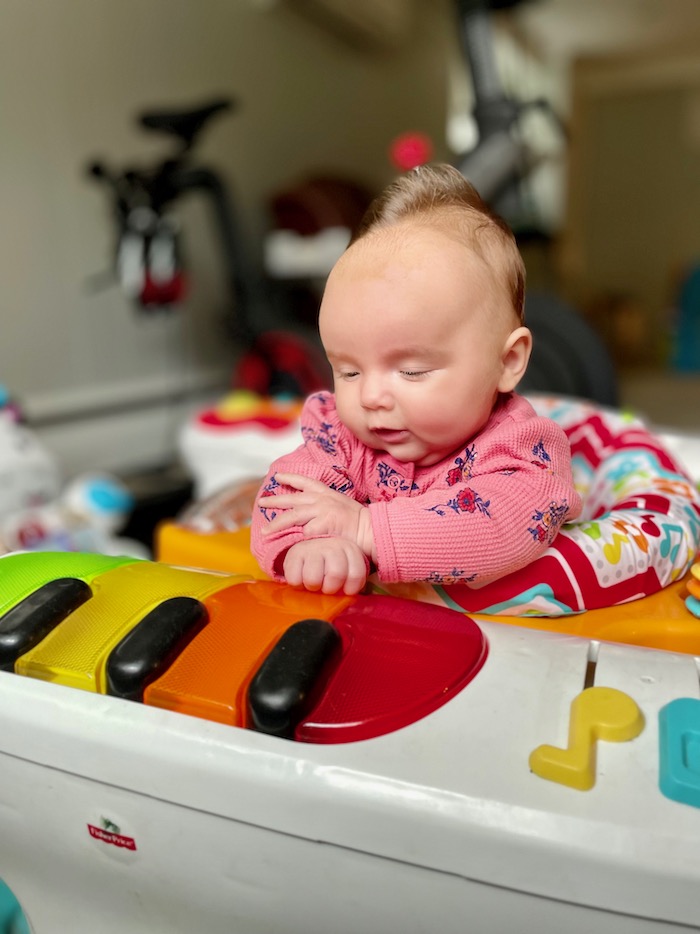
(72, 75)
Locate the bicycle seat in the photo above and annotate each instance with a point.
(183, 123)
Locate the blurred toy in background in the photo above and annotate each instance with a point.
(238, 439)
(312, 223)
(227, 510)
(37, 512)
(226, 450)
(282, 364)
(29, 476)
(9, 407)
(86, 516)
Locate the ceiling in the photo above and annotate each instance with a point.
(569, 28)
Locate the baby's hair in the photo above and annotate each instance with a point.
(440, 196)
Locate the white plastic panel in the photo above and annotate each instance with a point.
(413, 831)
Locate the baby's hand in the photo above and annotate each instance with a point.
(321, 511)
(326, 564)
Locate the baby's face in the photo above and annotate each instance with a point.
(415, 330)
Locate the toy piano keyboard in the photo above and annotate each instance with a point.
(246, 653)
(354, 763)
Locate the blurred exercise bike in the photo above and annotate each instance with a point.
(568, 356)
(149, 259)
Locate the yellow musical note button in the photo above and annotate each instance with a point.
(596, 713)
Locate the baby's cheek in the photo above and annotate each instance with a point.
(345, 407)
(432, 418)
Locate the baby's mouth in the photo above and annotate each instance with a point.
(390, 435)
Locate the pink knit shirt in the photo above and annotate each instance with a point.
(488, 509)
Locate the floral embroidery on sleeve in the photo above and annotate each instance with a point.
(466, 500)
(542, 458)
(548, 521)
(324, 437)
(463, 467)
(344, 483)
(269, 489)
(453, 577)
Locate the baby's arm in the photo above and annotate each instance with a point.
(320, 510)
(336, 534)
(485, 526)
(278, 538)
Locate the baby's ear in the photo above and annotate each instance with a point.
(515, 358)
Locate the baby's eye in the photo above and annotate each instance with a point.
(414, 374)
(347, 374)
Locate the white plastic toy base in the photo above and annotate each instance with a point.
(439, 827)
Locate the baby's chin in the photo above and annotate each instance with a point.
(403, 457)
(407, 456)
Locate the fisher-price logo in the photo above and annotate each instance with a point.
(109, 833)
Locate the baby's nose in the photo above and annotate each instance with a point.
(374, 393)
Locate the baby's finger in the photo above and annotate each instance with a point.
(286, 520)
(356, 576)
(293, 566)
(334, 573)
(278, 500)
(312, 572)
(344, 569)
(301, 483)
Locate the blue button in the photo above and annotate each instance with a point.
(679, 750)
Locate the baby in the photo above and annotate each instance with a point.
(423, 464)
